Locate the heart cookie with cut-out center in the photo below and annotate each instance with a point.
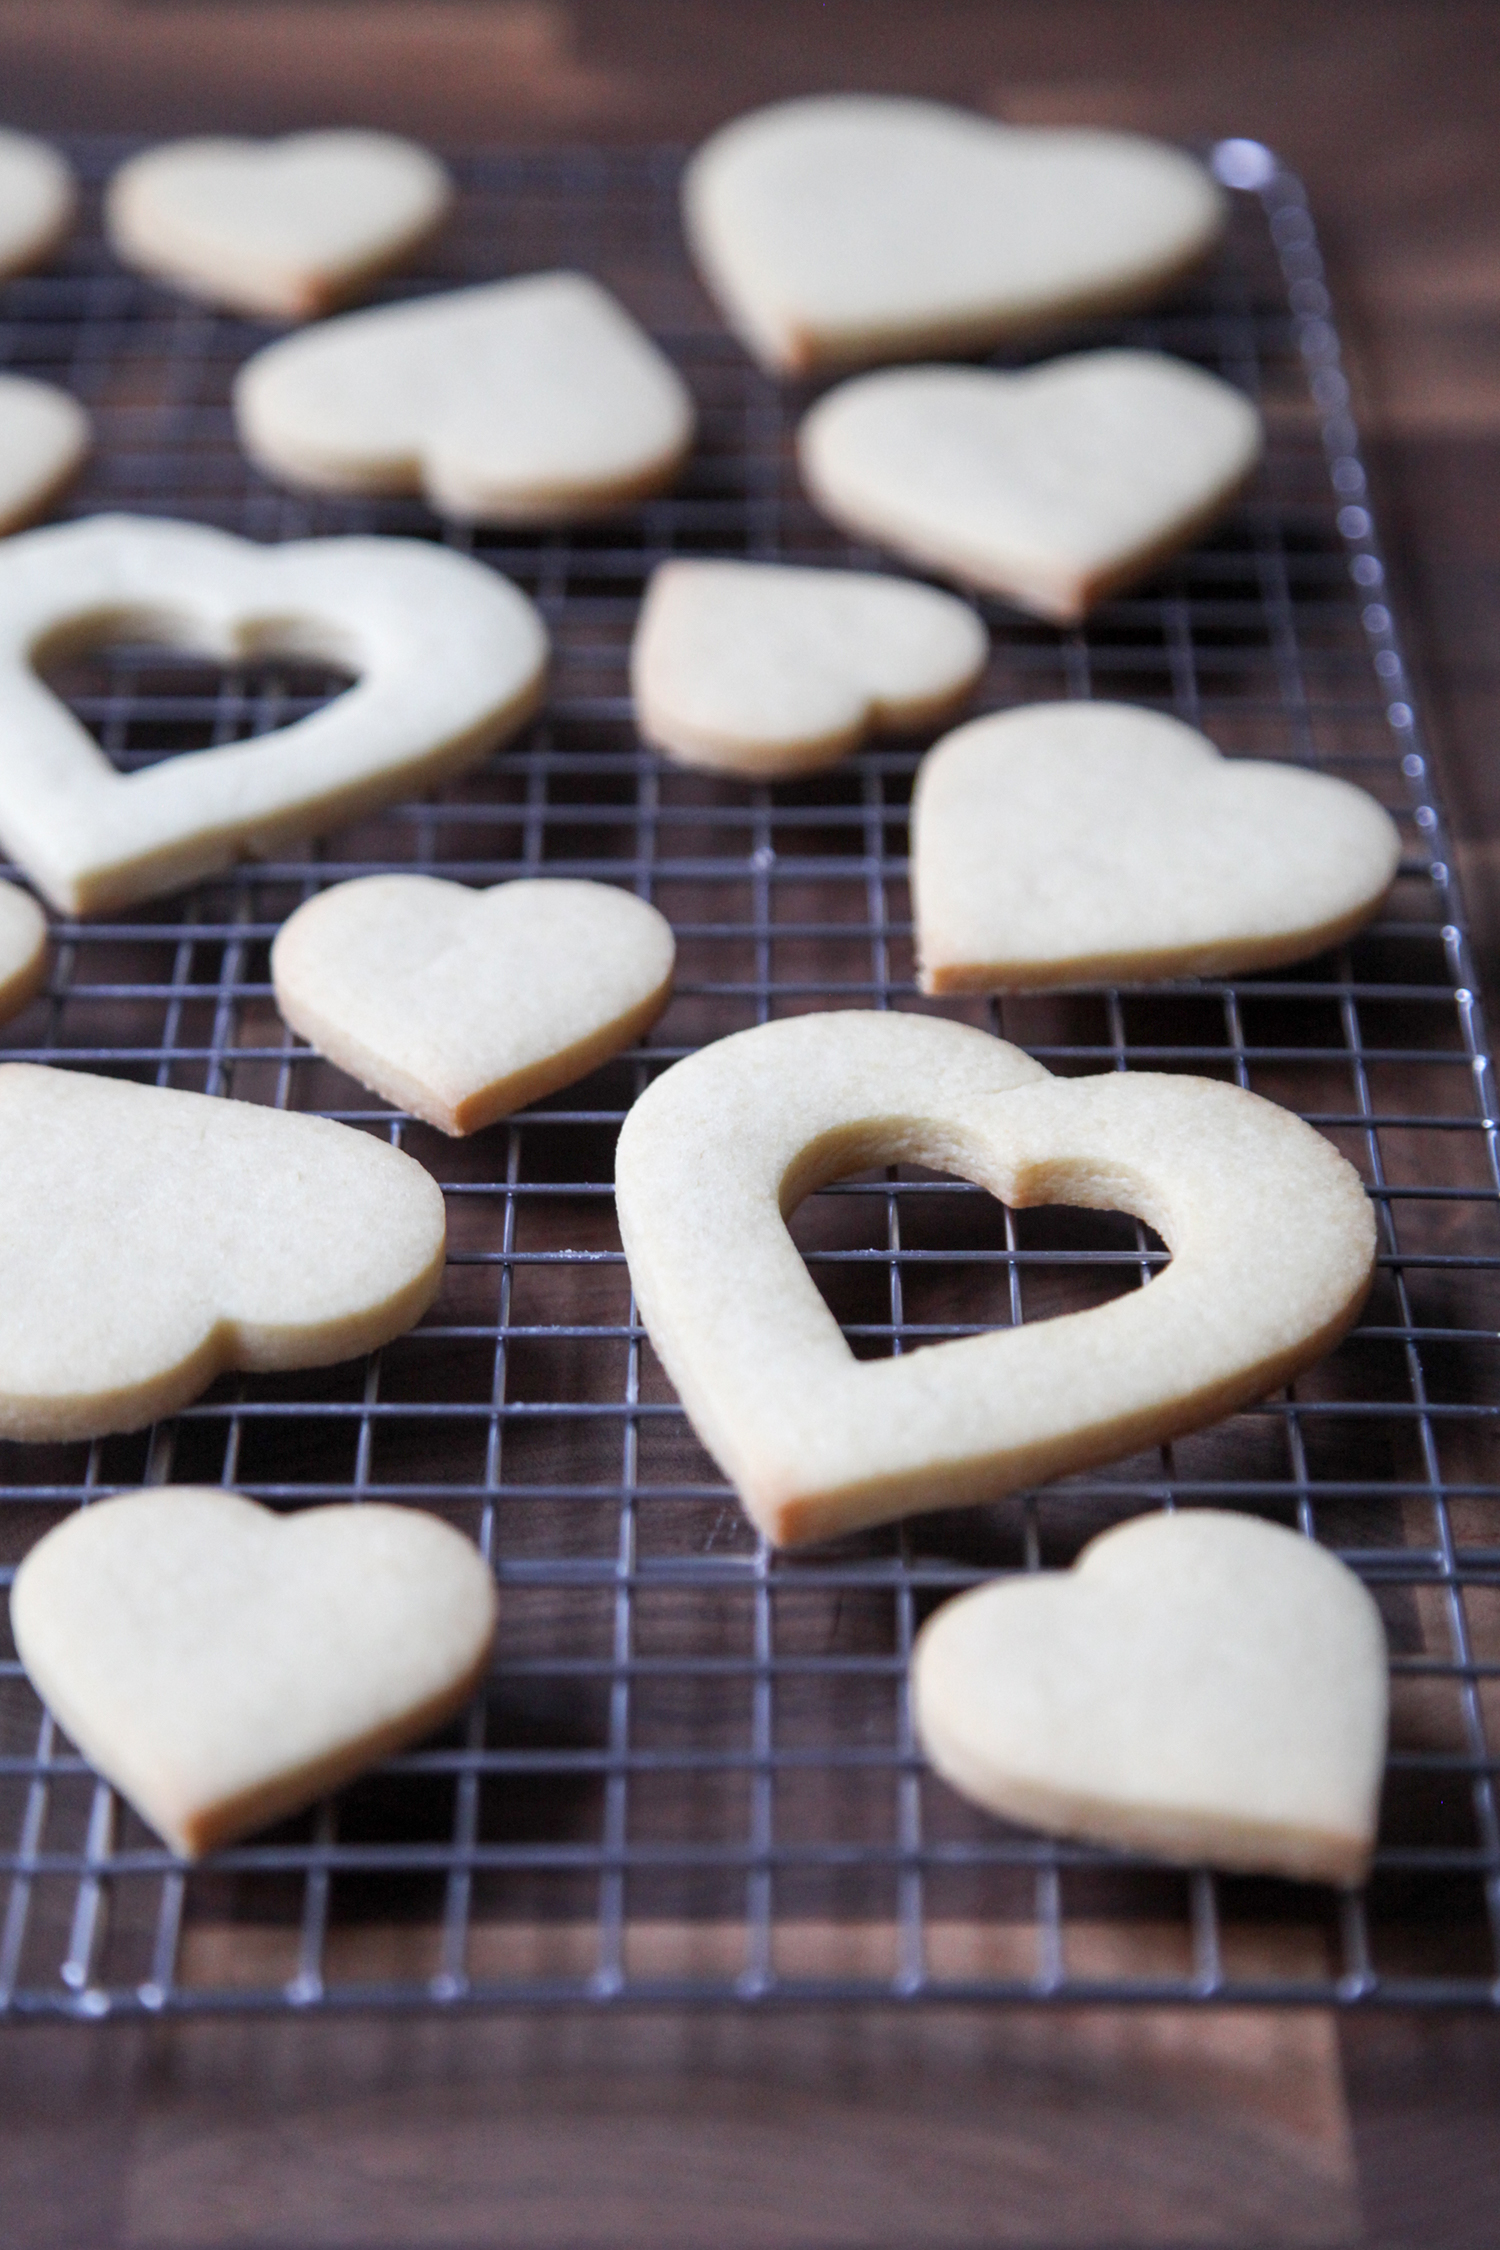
(1068, 841)
(150, 1239)
(1271, 1237)
(223, 1666)
(531, 401)
(450, 659)
(286, 228)
(1201, 1686)
(463, 1005)
(760, 669)
(44, 435)
(1053, 487)
(37, 201)
(848, 228)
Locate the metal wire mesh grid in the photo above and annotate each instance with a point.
(692, 1775)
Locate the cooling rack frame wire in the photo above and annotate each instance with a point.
(693, 1778)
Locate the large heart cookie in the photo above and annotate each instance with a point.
(1271, 1235)
(759, 669)
(1201, 1686)
(150, 1239)
(223, 1666)
(23, 949)
(37, 199)
(463, 1005)
(1053, 487)
(286, 227)
(848, 228)
(530, 401)
(44, 435)
(450, 659)
(1069, 841)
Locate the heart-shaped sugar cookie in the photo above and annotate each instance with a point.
(286, 227)
(1271, 1235)
(843, 229)
(150, 1239)
(223, 1666)
(450, 660)
(463, 1005)
(23, 949)
(759, 669)
(529, 401)
(1201, 1686)
(1069, 841)
(1053, 487)
(37, 199)
(44, 435)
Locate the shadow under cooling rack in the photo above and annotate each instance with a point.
(691, 1775)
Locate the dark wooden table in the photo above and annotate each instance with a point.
(1153, 2128)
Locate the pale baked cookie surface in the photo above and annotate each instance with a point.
(1201, 1686)
(23, 949)
(764, 669)
(149, 1239)
(1053, 487)
(287, 228)
(537, 400)
(843, 229)
(1271, 1236)
(463, 1005)
(44, 435)
(37, 200)
(1065, 842)
(223, 1665)
(450, 657)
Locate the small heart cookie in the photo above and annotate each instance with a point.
(847, 228)
(1201, 1686)
(150, 1239)
(763, 670)
(463, 1005)
(44, 435)
(451, 659)
(1271, 1235)
(529, 401)
(23, 949)
(1066, 842)
(286, 228)
(224, 1666)
(1053, 487)
(37, 201)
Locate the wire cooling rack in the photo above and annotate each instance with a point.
(692, 1774)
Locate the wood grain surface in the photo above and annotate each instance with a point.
(883, 2128)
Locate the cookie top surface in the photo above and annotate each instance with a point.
(1202, 1686)
(287, 227)
(766, 668)
(1271, 1237)
(1054, 486)
(37, 200)
(1068, 842)
(463, 1005)
(223, 1664)
(44, 435)
(843, 229)
(533, 400)
(150, 1238)
(449, 657)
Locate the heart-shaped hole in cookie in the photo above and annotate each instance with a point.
(908, 1257)
(147, 697)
